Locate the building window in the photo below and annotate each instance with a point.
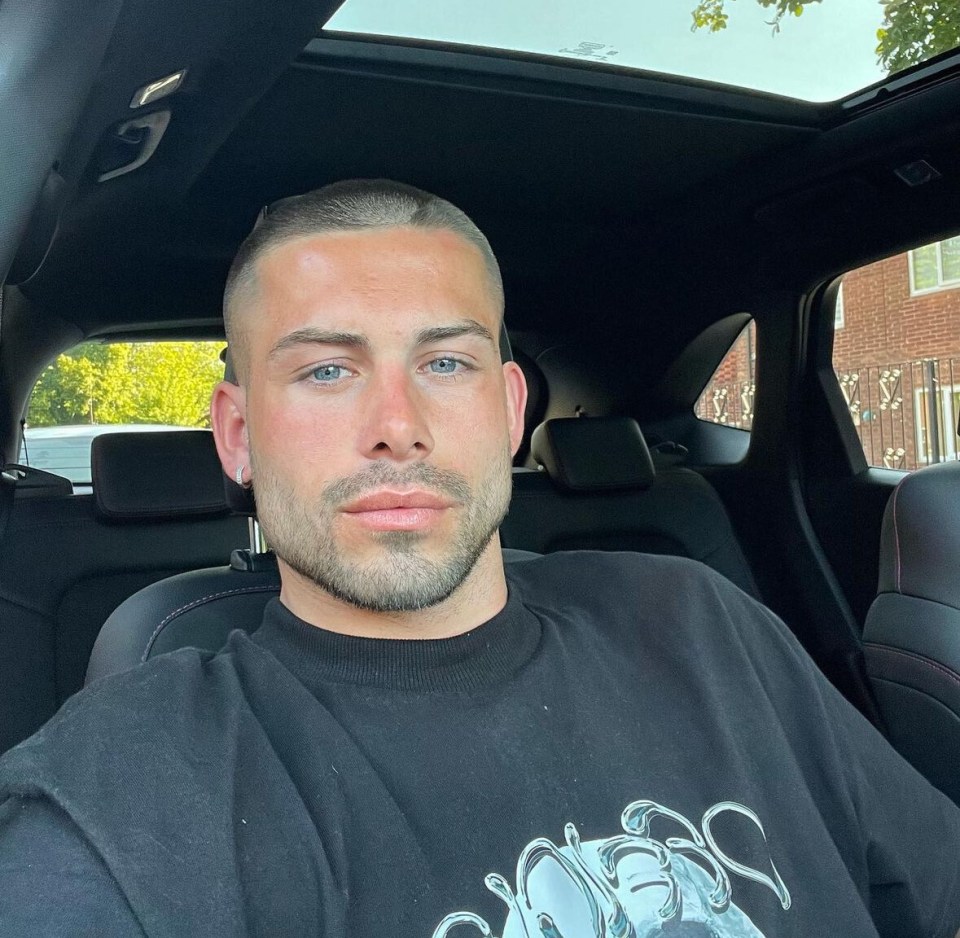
(936, 425)
(935, 266)
(838, 319)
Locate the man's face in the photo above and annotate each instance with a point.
(381, 422)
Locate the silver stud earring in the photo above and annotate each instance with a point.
(239, 475)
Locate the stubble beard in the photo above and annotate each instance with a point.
(400, 577)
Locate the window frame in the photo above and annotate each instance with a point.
(941, 284)
(744, 391)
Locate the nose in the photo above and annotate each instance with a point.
(394, 421)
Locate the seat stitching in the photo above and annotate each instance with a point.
(935, 665)
(896, 537)
(193, 604)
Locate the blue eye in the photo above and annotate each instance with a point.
(327, 373)
(444, 366)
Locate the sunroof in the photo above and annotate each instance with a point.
(834, 49)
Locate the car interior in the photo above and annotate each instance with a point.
(642, 221)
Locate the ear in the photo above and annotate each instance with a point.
(228, 419)
(516, 386)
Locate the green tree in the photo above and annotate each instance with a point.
(140, 382)
(67, 390)
(910, 31)
(916, 30)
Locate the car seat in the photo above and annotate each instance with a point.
(912, 630)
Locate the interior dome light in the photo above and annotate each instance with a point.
(158, 89)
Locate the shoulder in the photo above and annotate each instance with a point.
(647, 598)
(612, 576)
(128, 717)
(44, 854)
(145, 765)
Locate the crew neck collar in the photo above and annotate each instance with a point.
(486, 655)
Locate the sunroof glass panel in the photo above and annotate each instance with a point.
(828, 52)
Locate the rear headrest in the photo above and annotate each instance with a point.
(157, 475)
(920, 540)
(33, 482)
(590, 454)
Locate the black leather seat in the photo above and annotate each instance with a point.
(599, 490)
(198, 609)
(69, 560)
(912, 630)
(612, 499)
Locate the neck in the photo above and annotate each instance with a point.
(478, 598)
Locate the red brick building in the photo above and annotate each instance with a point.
(896, 354)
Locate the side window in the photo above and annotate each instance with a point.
(97, 388)
(728, 397)
(896, 353)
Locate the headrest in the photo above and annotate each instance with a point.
(156, 475)
(592, 454)
(920, 540)
(32, 482)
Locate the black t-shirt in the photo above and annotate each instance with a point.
(631, 743)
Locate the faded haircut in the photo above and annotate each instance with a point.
(350, 205)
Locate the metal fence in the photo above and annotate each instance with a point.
(906, 414)
(728, 403)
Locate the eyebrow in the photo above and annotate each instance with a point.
(310, 335)
(455, 331)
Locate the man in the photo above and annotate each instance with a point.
(418, 741)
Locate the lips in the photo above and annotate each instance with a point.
(387, 501)
(385, 510)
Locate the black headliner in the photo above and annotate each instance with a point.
(614, 202)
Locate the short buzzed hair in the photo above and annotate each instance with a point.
(350, 205)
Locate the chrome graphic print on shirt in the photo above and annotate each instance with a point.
(630, 885)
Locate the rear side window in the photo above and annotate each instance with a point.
(728, 397)
(896, 354)
(98, 388)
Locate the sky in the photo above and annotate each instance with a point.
(825, 54)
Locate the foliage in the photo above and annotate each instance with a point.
(711, 14)
(911, 31)
(140, 382)
(916, 30)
